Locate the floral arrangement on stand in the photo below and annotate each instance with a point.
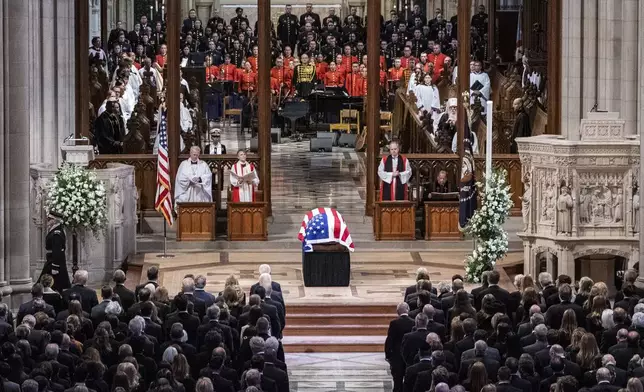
(79, 198)
(486, 226)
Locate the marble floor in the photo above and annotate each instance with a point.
(303, 180)
(377, 277)
(327, 372)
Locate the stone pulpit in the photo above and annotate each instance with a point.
(100, 255)
(581, 203)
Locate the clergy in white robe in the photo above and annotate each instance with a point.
(428, 98)
(394, 172)
(156, 75)
(243, 179)
(478, 77)
(185, 118)
(194, 180)
(474, 141)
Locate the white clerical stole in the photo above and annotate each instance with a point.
(193, 183)
(240, 175)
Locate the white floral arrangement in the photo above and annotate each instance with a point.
(486, 226)
(79, 198)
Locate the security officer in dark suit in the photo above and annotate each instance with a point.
(56, 264)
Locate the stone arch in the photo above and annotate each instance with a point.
(602, 251)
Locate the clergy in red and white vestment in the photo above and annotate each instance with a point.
(194, 180)
(243, 179)
(394, 172)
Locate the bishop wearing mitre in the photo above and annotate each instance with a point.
(194, 180)
(394, 172)
(243, 179)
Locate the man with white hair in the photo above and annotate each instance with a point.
(188, 290)
(266, 269)
(604, 381)
(536, 318)
(87, 296)
(213, 324)
(548, 287)
(480, 348)
(397, 330)
(194, 180)
(415, 339)
(277, 355)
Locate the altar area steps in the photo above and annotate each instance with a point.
(337, 327)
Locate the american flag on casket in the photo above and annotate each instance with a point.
(323, 226)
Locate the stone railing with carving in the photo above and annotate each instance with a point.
(145, 171)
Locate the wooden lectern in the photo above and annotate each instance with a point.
(395, 220)
(441, 220)
(247, 221)
(196, 221)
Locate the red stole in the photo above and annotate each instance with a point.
(242, 171)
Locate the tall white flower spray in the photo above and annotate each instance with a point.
(486, 226)
(79, 198)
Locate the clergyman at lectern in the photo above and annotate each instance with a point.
(394, 172)
(194, 180)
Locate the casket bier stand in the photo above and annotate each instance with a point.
(196, 221)
(441, 220)
(247, 221)
(329, 265)
(395, 220)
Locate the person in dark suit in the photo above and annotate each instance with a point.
(281, 311)
(622, 336)
(629, 299)
(623, 355)
(432, 325)
(196, 305)
(467, 343)
(541, 335)
(271, 371)
(270, 311)
(476, 292)
(412, 341)
(501, 294)
(504, 383)
(266, 269)
(554, 314)
(87, 296)
(153, 279)
(97, 313)
(151, 328)
(557, 370)
(213, 324)
(547, 286)
(421, 274)
(619, 376)
(189, 321)
(447, 300)
(609, 336)
(515, 379)
(414, 370)
(491, 366)
(213, 372)
(604, 382)
(126, 296)
(397, 330)
(36, 304)
(201, 293)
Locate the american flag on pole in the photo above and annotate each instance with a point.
(163, 202)
(324, 225)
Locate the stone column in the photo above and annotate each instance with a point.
(629, 69)
(590, 54)
(571, 69)
(609, 61)
(16, 159)
(94, 19)
(3, 79)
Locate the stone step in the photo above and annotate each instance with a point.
(333, 344)
(341, 309)
(318, 319)
(335, 330)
